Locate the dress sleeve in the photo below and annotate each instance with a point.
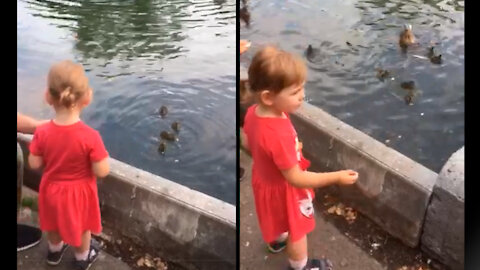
(97, 148)
(282, 150)
(36, 146)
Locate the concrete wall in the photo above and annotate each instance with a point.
(183, 225)
(444, 230)
(392, 190)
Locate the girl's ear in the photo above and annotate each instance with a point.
(48, 97)
(266, 97)
(88, 97)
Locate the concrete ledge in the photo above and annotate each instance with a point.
(189, 227)
(392, 190)
(444, 230)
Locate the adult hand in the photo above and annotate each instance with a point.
(244, 45)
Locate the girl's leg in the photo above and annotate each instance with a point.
(297, 253)
(84, 247)
(56, 248)
(55, 243)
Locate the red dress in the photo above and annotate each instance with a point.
(68, 197)
(280, 207)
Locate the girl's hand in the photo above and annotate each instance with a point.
(347, 177)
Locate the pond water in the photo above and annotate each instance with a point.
(350, 40)
(139, 56)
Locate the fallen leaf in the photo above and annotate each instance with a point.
(140, 261)
(331, 210)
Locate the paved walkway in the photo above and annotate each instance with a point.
(34, 258)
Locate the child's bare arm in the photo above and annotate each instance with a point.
(101, 168)
(305, 179)
(35, 162)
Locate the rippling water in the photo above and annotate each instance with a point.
(342, 78)
(140, 55)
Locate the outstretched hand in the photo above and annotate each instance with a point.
(347, 177)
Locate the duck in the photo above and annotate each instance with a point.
(382, 73)
(431, 52)
(406, 36)
(311, 53)
(436, 59)
(162, 147)
(409, 85)
(409, 98)
(168, 136)
(163, 111)
(176, 126)
(245, 16)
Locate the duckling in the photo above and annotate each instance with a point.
(410, 85)
(163, 111)
(311, 53)
(168, 136)
(245, 16)
(431, 52)
(409, 98)
(406, 37)
(436, 59)
(162, 147)
(382, 73)
(176, 126)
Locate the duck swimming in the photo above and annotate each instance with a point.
(406, 36)
(311, 53)
(176, 126)
(410, 85)
(163, 111)
(435, 59)
(162, 148)
(168, 136)
(382, 73)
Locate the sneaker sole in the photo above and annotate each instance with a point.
(88, 267)
(275, 250)
(59, 260)
(29, 246)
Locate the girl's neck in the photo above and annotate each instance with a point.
(65, 117)
(269, 111)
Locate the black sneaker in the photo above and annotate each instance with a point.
(276, 246)
(315, 264)
(92, 256)
(54, 258)
(27, 236)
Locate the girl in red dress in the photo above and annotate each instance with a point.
(72, 155)
(281, 185)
